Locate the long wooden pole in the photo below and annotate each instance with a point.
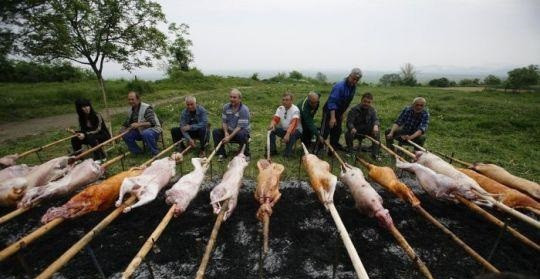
(266, 218)
(405, 151)
(22, 210)
(466, 164)
(353, 255)
(149, 243)
(498, 222)
(343, 165)
(410, 252)
(416, 145)
(212, 241)
(71, 252)
(44, 146)
(385, 148)
(88, 151)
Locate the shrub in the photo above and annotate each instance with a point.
(139, 86)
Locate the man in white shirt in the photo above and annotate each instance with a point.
(285, 124)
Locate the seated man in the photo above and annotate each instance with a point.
(362, 120)
(308, 108)
(193, 123)
(411, 124)
(285, 124)
(144, 123)
(234, 124)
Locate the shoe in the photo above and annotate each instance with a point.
(220, 158)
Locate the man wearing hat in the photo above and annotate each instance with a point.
(340, 98)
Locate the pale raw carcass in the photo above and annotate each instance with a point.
(82, 174)
(13, 189)
(147, 185)
(96, 197)
(435, 184)
(14, 171)
(506, 195)
(502, 176)
(368, 201)
(465, 183)
(267, 191)
(321, 179)
(8, 160)
(229, 186)
(187, 187)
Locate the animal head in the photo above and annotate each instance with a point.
(238, 160)
(349, 174)
(418, 154)
(384, 218)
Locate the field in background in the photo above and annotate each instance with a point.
(478, 126)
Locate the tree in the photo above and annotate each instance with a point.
(492, 81)
(255, 76)
(321, 77)
(296, 75)
(523, 77)
(390, 80)
(180, 55)
(91, 32)
(439, 82)
(408, 75)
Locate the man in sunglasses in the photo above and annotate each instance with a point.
(285, 124)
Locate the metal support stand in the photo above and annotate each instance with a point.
(24, 265)
(150, 270)
(498, 240)
(39, 157)
(452, 156)
(95, 262)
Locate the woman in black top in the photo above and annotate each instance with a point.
(92, 129)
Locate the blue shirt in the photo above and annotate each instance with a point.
(340, 96)
(233, 119)
(412, 121)
(196, 120)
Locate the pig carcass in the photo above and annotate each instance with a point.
(13, 189)
(435, 184)
(465, 183)
(267, 191)
(367, 199)
(96, 197)
(229, 186)
(502, 176)
(80, 175)
(321, 179)
(8, 160)
(14, 171)
(187, 187)
(506, 195)
(147, 185)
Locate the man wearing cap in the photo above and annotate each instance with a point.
(411, 124)
(308, 108)
(285, 124)
(340, 98)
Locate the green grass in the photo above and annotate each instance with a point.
(493, 127)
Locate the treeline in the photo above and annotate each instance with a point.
(32, 72)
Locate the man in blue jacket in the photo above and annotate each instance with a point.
(340, 98)
(193, 124)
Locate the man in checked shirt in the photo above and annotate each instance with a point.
(411, 124)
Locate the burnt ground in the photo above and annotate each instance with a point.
(303, 240)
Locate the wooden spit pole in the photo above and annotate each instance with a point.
(90, 150)
(466, 164)
(22, 210)
(79, 245)
(44, 146)
(212, 241)
(150, 241)
(266, 218)
(396, 233)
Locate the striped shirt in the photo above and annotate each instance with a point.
(236, 118)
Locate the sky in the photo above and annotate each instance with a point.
(451, 36)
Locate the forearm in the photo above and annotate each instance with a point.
(416, 134)
(333, 114)
(394, 128)
(235, 131)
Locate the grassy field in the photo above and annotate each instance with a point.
(493, 127)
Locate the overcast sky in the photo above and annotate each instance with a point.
(374, 35)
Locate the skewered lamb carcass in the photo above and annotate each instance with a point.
(321, 179)
(8, 160)
(267, 191)
(502, 176)
(187, 187)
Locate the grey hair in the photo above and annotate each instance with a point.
(419, 100)
(313, 93)
(236, 91)
(356, 72)
(190, 98)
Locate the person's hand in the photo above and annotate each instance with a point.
(353, 131)
(191, 143)
(390, 136)
(375, 130)
(286, 138)
(80, 136)
(405, 137)
(321, 139)
(332, 122)
(135, 125)
(271, 127)
(185, 128)
(227, 138)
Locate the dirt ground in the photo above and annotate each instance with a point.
(304, 242)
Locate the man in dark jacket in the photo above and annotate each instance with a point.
(193, 125)
(362, 120)
(308, 108)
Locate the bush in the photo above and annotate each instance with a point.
(31, 72)
(469, 82)
(255, 76)
(296, 75)
(139, 86)
(279, 77)
(439, 82)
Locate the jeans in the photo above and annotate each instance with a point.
(148, 136)
(335, 132)
(242, 137)
(281, 133)
(200, 134)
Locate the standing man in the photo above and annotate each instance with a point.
(411, 124)
(308, 108)
(362, 120)
(285, 124)
(193, 125)
(234, 124)
(144, 123)
(338, 102)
